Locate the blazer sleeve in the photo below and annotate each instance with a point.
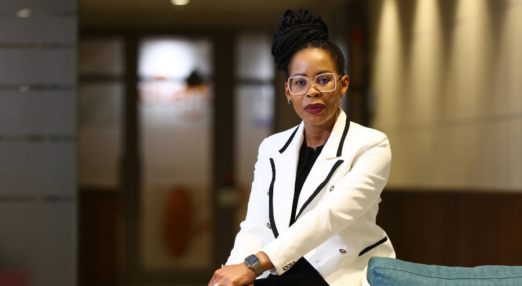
(254, 233)
(352, 197)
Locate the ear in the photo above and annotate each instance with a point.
(345, 81)
(287, 92)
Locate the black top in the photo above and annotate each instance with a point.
(301, 274)
(307, 157)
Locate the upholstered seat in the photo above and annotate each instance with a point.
(393, 272)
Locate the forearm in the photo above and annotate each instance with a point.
(307, 233)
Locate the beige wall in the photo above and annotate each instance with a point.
(447, 81)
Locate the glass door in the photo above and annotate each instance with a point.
(174, 105)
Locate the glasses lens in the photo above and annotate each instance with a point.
(298, 84)
(326, 82)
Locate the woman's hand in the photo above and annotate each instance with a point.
(233, 275)
(239, 274)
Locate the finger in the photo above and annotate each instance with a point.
(214, 278)
(214, 282)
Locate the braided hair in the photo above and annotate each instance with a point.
(299, 30)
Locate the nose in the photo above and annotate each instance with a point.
(312, 90)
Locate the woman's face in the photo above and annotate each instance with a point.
(315, 108)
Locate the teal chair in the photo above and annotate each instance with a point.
(394, 272)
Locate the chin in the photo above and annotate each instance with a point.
(319, 118)
(316, 119)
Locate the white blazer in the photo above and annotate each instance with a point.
(335, 228)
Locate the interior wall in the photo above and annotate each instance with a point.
(453, 228)
(445, 75)
(38, 184)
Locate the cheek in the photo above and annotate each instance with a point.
(334, 101)
(334, 105)
(297, 107)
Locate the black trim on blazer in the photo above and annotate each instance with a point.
(374, 245)
(345, 131)
(289, 140)
(271, 201)
(320, 187)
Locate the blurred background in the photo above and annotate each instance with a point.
(129, 130)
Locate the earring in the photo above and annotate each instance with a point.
(343, 95)
(289, 101)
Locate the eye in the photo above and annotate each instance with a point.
(323, 80)
(299, 81)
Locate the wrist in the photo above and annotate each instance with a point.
(266, 264)
(251, 271)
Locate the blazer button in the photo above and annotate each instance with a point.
(288, 265)
(331, 188)
(268, 225)
(342, 251)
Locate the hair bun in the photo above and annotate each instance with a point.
(296, 29)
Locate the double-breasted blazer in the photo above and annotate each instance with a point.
(335, 228)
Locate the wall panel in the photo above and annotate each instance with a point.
(447, 87)
(39, 5)
(37, 168)
(43, 30)
(38, 119)
(36, 239)
(453, 228)
(38, 66)
(38, 112)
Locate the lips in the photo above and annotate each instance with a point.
(314, 108)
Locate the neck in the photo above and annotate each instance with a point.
(317, 135)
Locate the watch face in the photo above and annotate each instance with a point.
(251, 260)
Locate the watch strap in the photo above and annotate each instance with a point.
(254, 263)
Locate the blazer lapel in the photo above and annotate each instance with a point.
(334, 147)
(286, 168)
(324, 164)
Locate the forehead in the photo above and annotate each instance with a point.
(309, 61)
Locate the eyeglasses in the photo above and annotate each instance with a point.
(299, 85)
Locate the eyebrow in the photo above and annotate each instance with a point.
(321, 72)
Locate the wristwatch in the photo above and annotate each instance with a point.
(253, 262)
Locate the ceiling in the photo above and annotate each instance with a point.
(198, 13)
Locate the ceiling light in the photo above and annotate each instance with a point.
(180, 2)
(24, 13)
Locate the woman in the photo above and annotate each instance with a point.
(316, 190)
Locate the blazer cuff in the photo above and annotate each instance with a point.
(277, 258)
(264, 275)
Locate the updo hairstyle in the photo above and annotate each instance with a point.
(299, 30)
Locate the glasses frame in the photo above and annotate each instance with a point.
(313, 81)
